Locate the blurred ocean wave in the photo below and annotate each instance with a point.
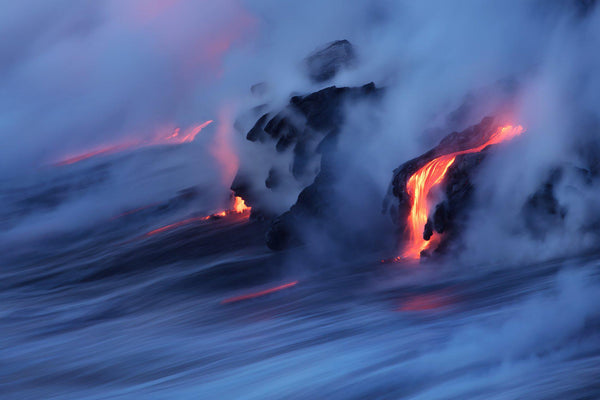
(104, 313)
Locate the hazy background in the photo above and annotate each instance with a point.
(90, 310)
(81, 75)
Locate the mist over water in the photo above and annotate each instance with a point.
(120, 278)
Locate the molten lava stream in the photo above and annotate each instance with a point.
(421, 183)
(239, 208)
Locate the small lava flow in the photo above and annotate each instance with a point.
(239, 207)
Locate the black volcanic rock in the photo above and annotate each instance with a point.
(542, 210)
(257, 132)
(451, 213)
(273, 180)
(305, 129)
(324, 64)
(299, 141)
(314, 204)
(280, 234)
(323, 113)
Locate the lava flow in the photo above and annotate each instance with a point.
(425, 179)
(258, 294)
(223, 151)
(98, 152)
(239, 208)
(175, 137)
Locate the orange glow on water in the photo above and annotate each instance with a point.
(425, 302)
(258, 294)
(421, 183)
(176, 225)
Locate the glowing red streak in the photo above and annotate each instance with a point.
(174, 138)
(176, 225)
(103, 151)
(258, 294)
(427, 177)
(188, 135)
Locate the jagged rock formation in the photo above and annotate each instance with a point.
(302, 137)
(307, 128)
(292, 140)
(542, 210)
(325, 63)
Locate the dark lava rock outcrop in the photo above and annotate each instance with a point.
(325, 63)
(297, 146)
(306, 130)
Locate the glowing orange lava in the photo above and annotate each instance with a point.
(425, 179)
(176, 225)
(258, 294)
(239, 205)
(102, 151)
(174, 137)
(239, 208)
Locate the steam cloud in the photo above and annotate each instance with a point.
(79, 75)
(75, 76)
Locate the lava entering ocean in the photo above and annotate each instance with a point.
(239, 208)
(425, 179)
(223, 151)
(175, 137)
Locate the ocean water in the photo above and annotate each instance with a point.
(206, 311)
